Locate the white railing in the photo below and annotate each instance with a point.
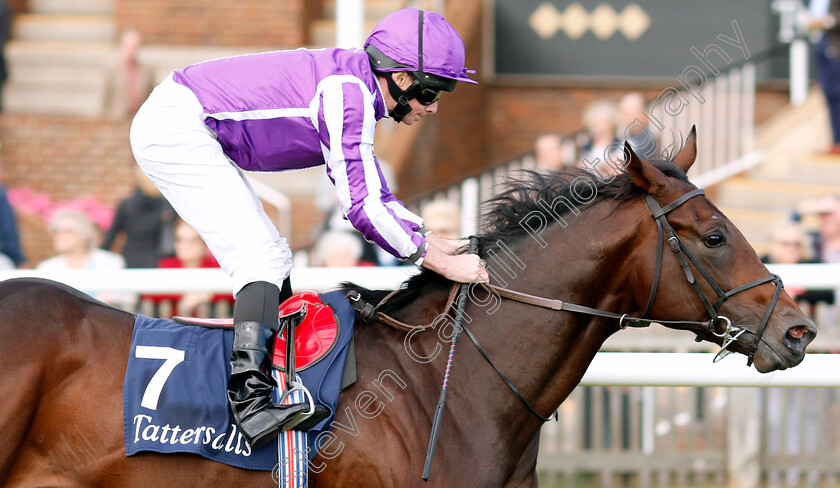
(815, 276)
(725, 123)
(669, 369)
(212, 279)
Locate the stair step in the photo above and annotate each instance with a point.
(764, 216)
(74, 7)
(769, 194)
(34, 27)
(817, 168)
(754, 223)
(52, 103)
(56, 77)
(54, 53)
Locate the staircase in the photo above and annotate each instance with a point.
(57, 57)
(794, 170)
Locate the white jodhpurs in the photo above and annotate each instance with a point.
(182, 157)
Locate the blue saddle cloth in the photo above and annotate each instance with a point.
(175, 390)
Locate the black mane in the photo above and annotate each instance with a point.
(504, 212)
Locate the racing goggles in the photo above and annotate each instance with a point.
(430, 87)
(428, 95)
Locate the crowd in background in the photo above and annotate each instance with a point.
(145, 227)
(143, 233)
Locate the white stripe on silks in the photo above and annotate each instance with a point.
(292, 453)
(388, 228)
(274, 113)
(404, 213)
(333, 104)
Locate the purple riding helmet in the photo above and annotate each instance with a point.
(423, 44)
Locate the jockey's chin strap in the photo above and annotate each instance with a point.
(730, 334)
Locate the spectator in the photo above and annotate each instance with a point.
(336, 249)
(603, 151)
(74, 239)
(146, 220)
(443, 218)
(827, 240)
(327, 201)
(128, 82)
(548, 152)
(9, 239)
(823, 17)
(789, 244)
(5, 32)
(190, 252)
(824, 245)
(6, 262)
(633, 125)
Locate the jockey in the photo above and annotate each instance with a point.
(285, 110)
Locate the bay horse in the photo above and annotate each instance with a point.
(63, 355)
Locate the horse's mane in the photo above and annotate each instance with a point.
(504, 212)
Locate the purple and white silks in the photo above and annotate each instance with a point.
(287, 110)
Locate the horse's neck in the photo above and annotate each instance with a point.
(544, 352)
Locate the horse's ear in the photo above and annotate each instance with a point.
(645, 175)
(685, 158)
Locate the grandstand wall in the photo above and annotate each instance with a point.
(67, 157)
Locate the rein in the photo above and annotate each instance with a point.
(730, 334)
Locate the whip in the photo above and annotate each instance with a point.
(460, 303)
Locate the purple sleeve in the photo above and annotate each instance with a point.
(346, 124)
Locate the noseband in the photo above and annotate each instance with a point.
(731, 333)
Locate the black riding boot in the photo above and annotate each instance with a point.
(251, 384)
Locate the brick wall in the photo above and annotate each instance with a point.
(477, 126)
(62, 158)
(486, 124)
(453, 142)
(53, 160)
(203, 23)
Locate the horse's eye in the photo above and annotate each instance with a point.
(714, 240)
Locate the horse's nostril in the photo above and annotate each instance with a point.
(797, 332)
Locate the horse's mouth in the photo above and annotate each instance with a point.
(777, 354)
(790, 352)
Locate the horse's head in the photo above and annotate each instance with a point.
(706, 271)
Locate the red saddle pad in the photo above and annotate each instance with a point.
(314, 337)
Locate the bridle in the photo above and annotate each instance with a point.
(665, 232)
(731, 333)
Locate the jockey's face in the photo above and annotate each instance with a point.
(418, 111)
(404, 80)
